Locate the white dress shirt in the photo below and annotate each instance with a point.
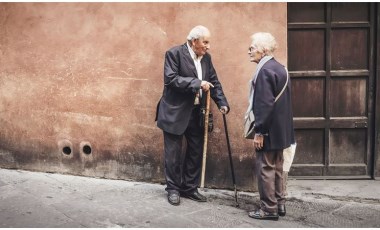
(198, 67)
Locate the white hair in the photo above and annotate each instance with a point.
(264, 42)
(198, 32)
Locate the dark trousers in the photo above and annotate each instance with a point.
(270, 180)
(184, 176)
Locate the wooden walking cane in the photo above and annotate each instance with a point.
(205, 139)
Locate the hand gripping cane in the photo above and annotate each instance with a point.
(205, 139)
(230, 156)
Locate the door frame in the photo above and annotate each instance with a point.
(376, 133)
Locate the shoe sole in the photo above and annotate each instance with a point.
(175, 204)
(281, 214)
(195, 199)
(265, 218)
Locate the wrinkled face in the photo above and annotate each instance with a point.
(201, 45)
(254, 54)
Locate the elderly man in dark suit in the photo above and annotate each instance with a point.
(188, 75)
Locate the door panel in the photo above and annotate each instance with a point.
(330, 55)
(348, 146)
(311, 150)
(349, 49)
(309, 159)
(311, 12)
(351, 91)
(299, 43)
(349, 12)
(313, 104)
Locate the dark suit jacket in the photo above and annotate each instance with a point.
(180, 87)
(274, 119)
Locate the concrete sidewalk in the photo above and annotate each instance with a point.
(32, 199)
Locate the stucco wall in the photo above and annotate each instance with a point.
(77, 74)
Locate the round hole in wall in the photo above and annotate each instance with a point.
(87, 149)
(65, 147)
(66, 150)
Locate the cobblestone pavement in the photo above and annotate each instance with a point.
(32, 199)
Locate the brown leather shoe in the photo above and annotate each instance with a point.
(262, 215)
(281, 210)
(173, 198)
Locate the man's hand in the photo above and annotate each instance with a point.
(258, 141)
(224, 109)
(205, 85)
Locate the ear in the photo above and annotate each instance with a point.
(193, 42)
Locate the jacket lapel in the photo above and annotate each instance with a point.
(189, 60)
(203, 64)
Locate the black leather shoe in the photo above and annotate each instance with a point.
(173, 198)
(262, 215)
(195, 196)
(281, 210)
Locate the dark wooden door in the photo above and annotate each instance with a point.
(331, 64)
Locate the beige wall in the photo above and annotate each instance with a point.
(73, 74)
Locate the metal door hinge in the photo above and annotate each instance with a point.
(361, 124)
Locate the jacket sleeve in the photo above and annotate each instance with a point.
(264, 99)
(217, 93)
(173, 80)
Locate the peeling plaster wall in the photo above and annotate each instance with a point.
(90, 74)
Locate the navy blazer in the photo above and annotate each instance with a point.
(181, 84)
(273, 119)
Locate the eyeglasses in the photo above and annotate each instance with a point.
(251, 49)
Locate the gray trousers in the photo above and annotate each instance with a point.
(270, 179)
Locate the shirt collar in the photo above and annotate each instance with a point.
(193, 55)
